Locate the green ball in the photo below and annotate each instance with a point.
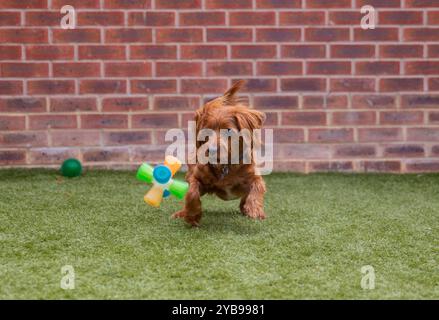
(71, 168)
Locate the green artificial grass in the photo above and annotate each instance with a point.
(321, 229)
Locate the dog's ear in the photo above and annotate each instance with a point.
(229, 97)
(198, 114)
(249, 119)
(197, 119)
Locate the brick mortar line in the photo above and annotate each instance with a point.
(255, 94)
(421, 159)
(287, 126)
(231, 27)
(216, 60)
(222, 26)
(362, 43)
(227, 77)
(268, 110)
(354, 43)
(271, 93)
(254, 76)
(256, 9)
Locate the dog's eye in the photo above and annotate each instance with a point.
(229, 131)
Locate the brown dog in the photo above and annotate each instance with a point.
(227, 181)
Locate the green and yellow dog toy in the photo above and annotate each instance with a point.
(161, 179)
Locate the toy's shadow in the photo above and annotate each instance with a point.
(229, 221)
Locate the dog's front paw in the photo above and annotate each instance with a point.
(193, 220)
(254, 213)
(179, 214)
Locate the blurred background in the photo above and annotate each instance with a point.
(338, 97)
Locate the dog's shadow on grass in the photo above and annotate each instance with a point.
(229, 222)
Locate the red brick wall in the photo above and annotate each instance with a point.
(337, 96)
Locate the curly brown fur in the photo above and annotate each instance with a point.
(227, 181)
